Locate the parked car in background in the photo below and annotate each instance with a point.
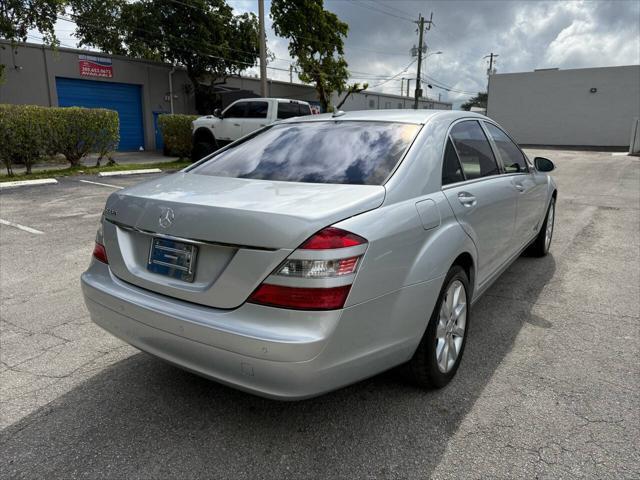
(241, 118)
(321, 250)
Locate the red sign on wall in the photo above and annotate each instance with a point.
(92, 66)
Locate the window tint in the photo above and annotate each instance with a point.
(288, 110)
(237, 110)
(473, 149)
(512, 158)
(305, 109)
(317, 152)
(257, 109)
(451, 169)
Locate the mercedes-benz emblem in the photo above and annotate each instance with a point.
(166, 217)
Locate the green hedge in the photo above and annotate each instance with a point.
(29, 132)
(176, 133)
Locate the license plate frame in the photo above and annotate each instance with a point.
(172, 259)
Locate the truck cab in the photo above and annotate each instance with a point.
(239, 119)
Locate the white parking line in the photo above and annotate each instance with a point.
(101, 184)
(21, 227)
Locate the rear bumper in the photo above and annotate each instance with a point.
(281, 354)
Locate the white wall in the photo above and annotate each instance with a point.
(556, 107)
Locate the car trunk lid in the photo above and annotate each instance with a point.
(239, 230)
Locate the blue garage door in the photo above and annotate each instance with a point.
(121, 97)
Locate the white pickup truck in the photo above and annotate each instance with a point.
(239, 119)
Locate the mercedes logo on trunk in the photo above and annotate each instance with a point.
(166, 217)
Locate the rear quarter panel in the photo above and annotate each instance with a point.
(401, 273)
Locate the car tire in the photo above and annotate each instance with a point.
(427, 367)
(542, 243)
(201, 150)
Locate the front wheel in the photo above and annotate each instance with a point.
(542, 243)
(438, 356)
(201, 150)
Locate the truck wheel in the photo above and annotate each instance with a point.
(201, 150)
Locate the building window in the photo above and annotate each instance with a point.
(399, 105)
(372, 103)
(387, 104)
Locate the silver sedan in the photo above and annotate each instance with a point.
(321, 250)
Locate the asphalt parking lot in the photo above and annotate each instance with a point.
(548, 388)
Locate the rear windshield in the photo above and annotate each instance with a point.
(361, 153)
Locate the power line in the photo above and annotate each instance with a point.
(214, 47)
(394, 76)
(376, 9)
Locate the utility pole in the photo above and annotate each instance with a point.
(420, 22)
(402, 87)
(408, 87)
(490, 71)
(290, 73)
(263, 51)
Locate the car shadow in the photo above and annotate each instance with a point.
(142, 418)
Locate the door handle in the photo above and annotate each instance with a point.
(236, 124)
(519, 187)
(466, 199)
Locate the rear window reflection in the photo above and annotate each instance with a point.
(362, 153)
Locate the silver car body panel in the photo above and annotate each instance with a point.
(415, 228)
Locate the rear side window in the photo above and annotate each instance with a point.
(257, 109)
(511, 156)
(292, 109)
(237, 110)
(451, 169)
(359, 153)
(473, 150)
(305, 109)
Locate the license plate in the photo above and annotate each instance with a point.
(172, 259)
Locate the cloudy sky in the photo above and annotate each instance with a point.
(525, 34)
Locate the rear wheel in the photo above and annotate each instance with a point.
(440, 351)
(542, 243)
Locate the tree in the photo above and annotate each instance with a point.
(204, 36)
(18, 17)
(479, 100)
(355, 88)
(316, 42)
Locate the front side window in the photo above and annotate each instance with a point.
(237, 110)
(451, 169)
(474, 150)
(257, 109)
(512, 158)
(346, 152)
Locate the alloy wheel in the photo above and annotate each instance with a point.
(549, 232)
(451, 327)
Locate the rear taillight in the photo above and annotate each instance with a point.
(99, 253)
(316, 276)
(301, 298)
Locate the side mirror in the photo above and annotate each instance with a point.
(543, 164)
(217, 113)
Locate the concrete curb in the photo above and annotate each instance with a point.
(129, 172)
(26, 183)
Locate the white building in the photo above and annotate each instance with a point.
(593, 107)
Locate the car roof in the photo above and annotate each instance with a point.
(398, 115)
